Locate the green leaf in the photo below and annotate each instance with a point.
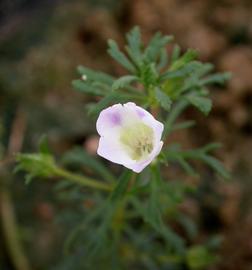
(199, 258)
(43, 145)
(104, 219)
(216, 165)
(121, 187)
(163, 59)
(94, 75)
(188, 224)
(186, 166)
(154, 208)
(204, 69)
(184, 125)
(135, 44)
(154, 47)
(88, 88)
(202, 103)
(210, 147)
(153, 213)
(177, 154)
(111, 208)
(184, 59)
(123, 81)
(63, 184)
(177, 109)
(87, 222)
(119, 56)
(214, 242)
(149, 75)
(36, 165)
(216, 79)
(181, 72)
(163, 99)
(193, 79)
(175, 53)
(29, 178)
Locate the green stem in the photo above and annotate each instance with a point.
(83, 180)
(180, 106)
(10, 232)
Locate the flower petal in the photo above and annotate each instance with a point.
(147, 118)
(110, 148)
(157, 127)
(119, 118)
(109, 118)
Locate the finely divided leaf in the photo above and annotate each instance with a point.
(43, 145)
(216, 165)
(189, 56)
(202, 103)
(175, 53)
(216, 78)
(135, 45)
(154, 47)
(181, 72)
(123, 81)
(94, 75)
(121, 187)
(119, 56)
(163, 59)
(163, 99)
(88, 88)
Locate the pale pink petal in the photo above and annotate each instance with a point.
(147, 118)
(109, 118)
(140, 112)
(110, 149)
(112, 121)
(157, 126)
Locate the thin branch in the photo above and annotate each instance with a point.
(82, 180)
(7, 213)
(173, 115)
(10, 232)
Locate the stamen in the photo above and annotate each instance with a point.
(137, 140)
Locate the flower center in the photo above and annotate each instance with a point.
(138, 140)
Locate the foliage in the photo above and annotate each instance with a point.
(134, 226)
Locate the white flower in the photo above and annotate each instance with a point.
(130, 136)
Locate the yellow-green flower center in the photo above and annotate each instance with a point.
(138, 140)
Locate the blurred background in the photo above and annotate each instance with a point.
(42, 42)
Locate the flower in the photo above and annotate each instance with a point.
(130, 136)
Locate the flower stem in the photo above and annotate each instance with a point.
(10, 229)
(83, 180)
(179, 107)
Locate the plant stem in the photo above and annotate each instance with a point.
(83, 180)
(10, 232)
(179, 107)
